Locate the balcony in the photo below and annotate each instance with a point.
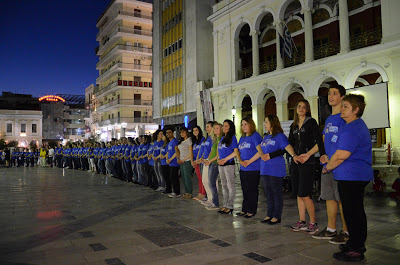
(366, 39)
(133, 33)
(123, 67)
(113, 20)
(298, 57)
(267, 66)
(120, 103)
(124, 83)
(128, 120)
(327, 50)
(245, 73)
(122, 48)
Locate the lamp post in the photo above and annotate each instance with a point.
(123, 125)
(233, 113)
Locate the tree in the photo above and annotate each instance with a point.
(2, 144)
(12, 143)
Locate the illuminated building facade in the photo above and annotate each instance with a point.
(353, 43)
(183, 58)
(124, 94)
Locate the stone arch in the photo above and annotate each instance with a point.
(327, 8)
(239, 26)
(379, 80)
(284, 5)
(259, 95)
(288, 86)
(264, 10)
(296, 18)
(239, 98)
(362, 81)
(358, 70)
(263, 34)
(320, 79)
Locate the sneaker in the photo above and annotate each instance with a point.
(174, 195)
(312, 228)
(212, 207)
(300, 226)
(207, 203)
(325, 234)
(345, 248)
(348, 256)
(339, 239)
(203, 200)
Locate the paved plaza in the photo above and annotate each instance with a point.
(55, 216)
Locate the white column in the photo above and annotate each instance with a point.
(238, 118)
(313, 100)
(279, 30)
(258, 117)
(281, 110)
(256, 60)
(308, 34)
(344, 27)
(390, 20)
(216, 68)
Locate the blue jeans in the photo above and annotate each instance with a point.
(212, 182)
(273, 190)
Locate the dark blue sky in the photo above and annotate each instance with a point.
(47, 46)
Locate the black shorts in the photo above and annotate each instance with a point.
(302, 177)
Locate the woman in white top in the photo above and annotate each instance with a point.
(184, 153)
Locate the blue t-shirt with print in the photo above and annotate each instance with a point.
(206, 147)
(276, 166)
(163, 151)
(128, 153)
(224, 151)
(333, 124)
(248, 148)
(196, 148)
(157, 148)
(150, 152)
(171, 151)
(355, 138)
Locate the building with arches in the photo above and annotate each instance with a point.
(348, 42)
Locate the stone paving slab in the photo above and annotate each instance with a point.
(56, 216)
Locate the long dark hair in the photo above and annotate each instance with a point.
(275, 124)
(296, 116)
(187, 133)
(155, 135)
(198, 139)
(229, 135)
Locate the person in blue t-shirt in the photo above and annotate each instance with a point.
(173, 164)
(202, 157)
(145, 160)
(329, 186)
(197, 139)
(164, 165)
(249, 160)
(158, 143)
(352, 168)
(152, 172)
(132, 155)
(226, 165)
(273, 167)
(102, 156)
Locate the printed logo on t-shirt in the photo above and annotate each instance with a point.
(329, 128)
(334, 138)
(244, 145)
(268, 142)
(220, 146)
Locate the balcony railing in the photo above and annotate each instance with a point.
(267, 66)
(125, 83)
(127, 102)
(124, 13)
(297, 58)
(245, 73)
(366, 39)
(326, 50)
(129, 66)
(127, 120)
(125, 30)
(121, 47)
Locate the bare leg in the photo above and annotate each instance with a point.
(302, 209)
(344, 225)
(331, 210)
(309, 205)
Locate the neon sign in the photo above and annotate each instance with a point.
(52, 98)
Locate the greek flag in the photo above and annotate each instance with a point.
(286, 43)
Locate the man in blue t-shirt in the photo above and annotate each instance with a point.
(173, 165)
(329, 186)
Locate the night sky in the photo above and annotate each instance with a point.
(47, 46)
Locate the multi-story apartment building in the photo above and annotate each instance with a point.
(182, 58)
(74, 117)
(349, 42)
(124, 96)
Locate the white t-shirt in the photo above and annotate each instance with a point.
(51, 152)
(184, 149)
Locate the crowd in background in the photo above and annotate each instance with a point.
(161, 161)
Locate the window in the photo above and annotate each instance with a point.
(34, 128)
(180, 44)
(136, 61)
(137, 78)
(23, 128)
(9, 127)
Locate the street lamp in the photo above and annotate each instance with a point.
(123, 125)
(233, 113)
